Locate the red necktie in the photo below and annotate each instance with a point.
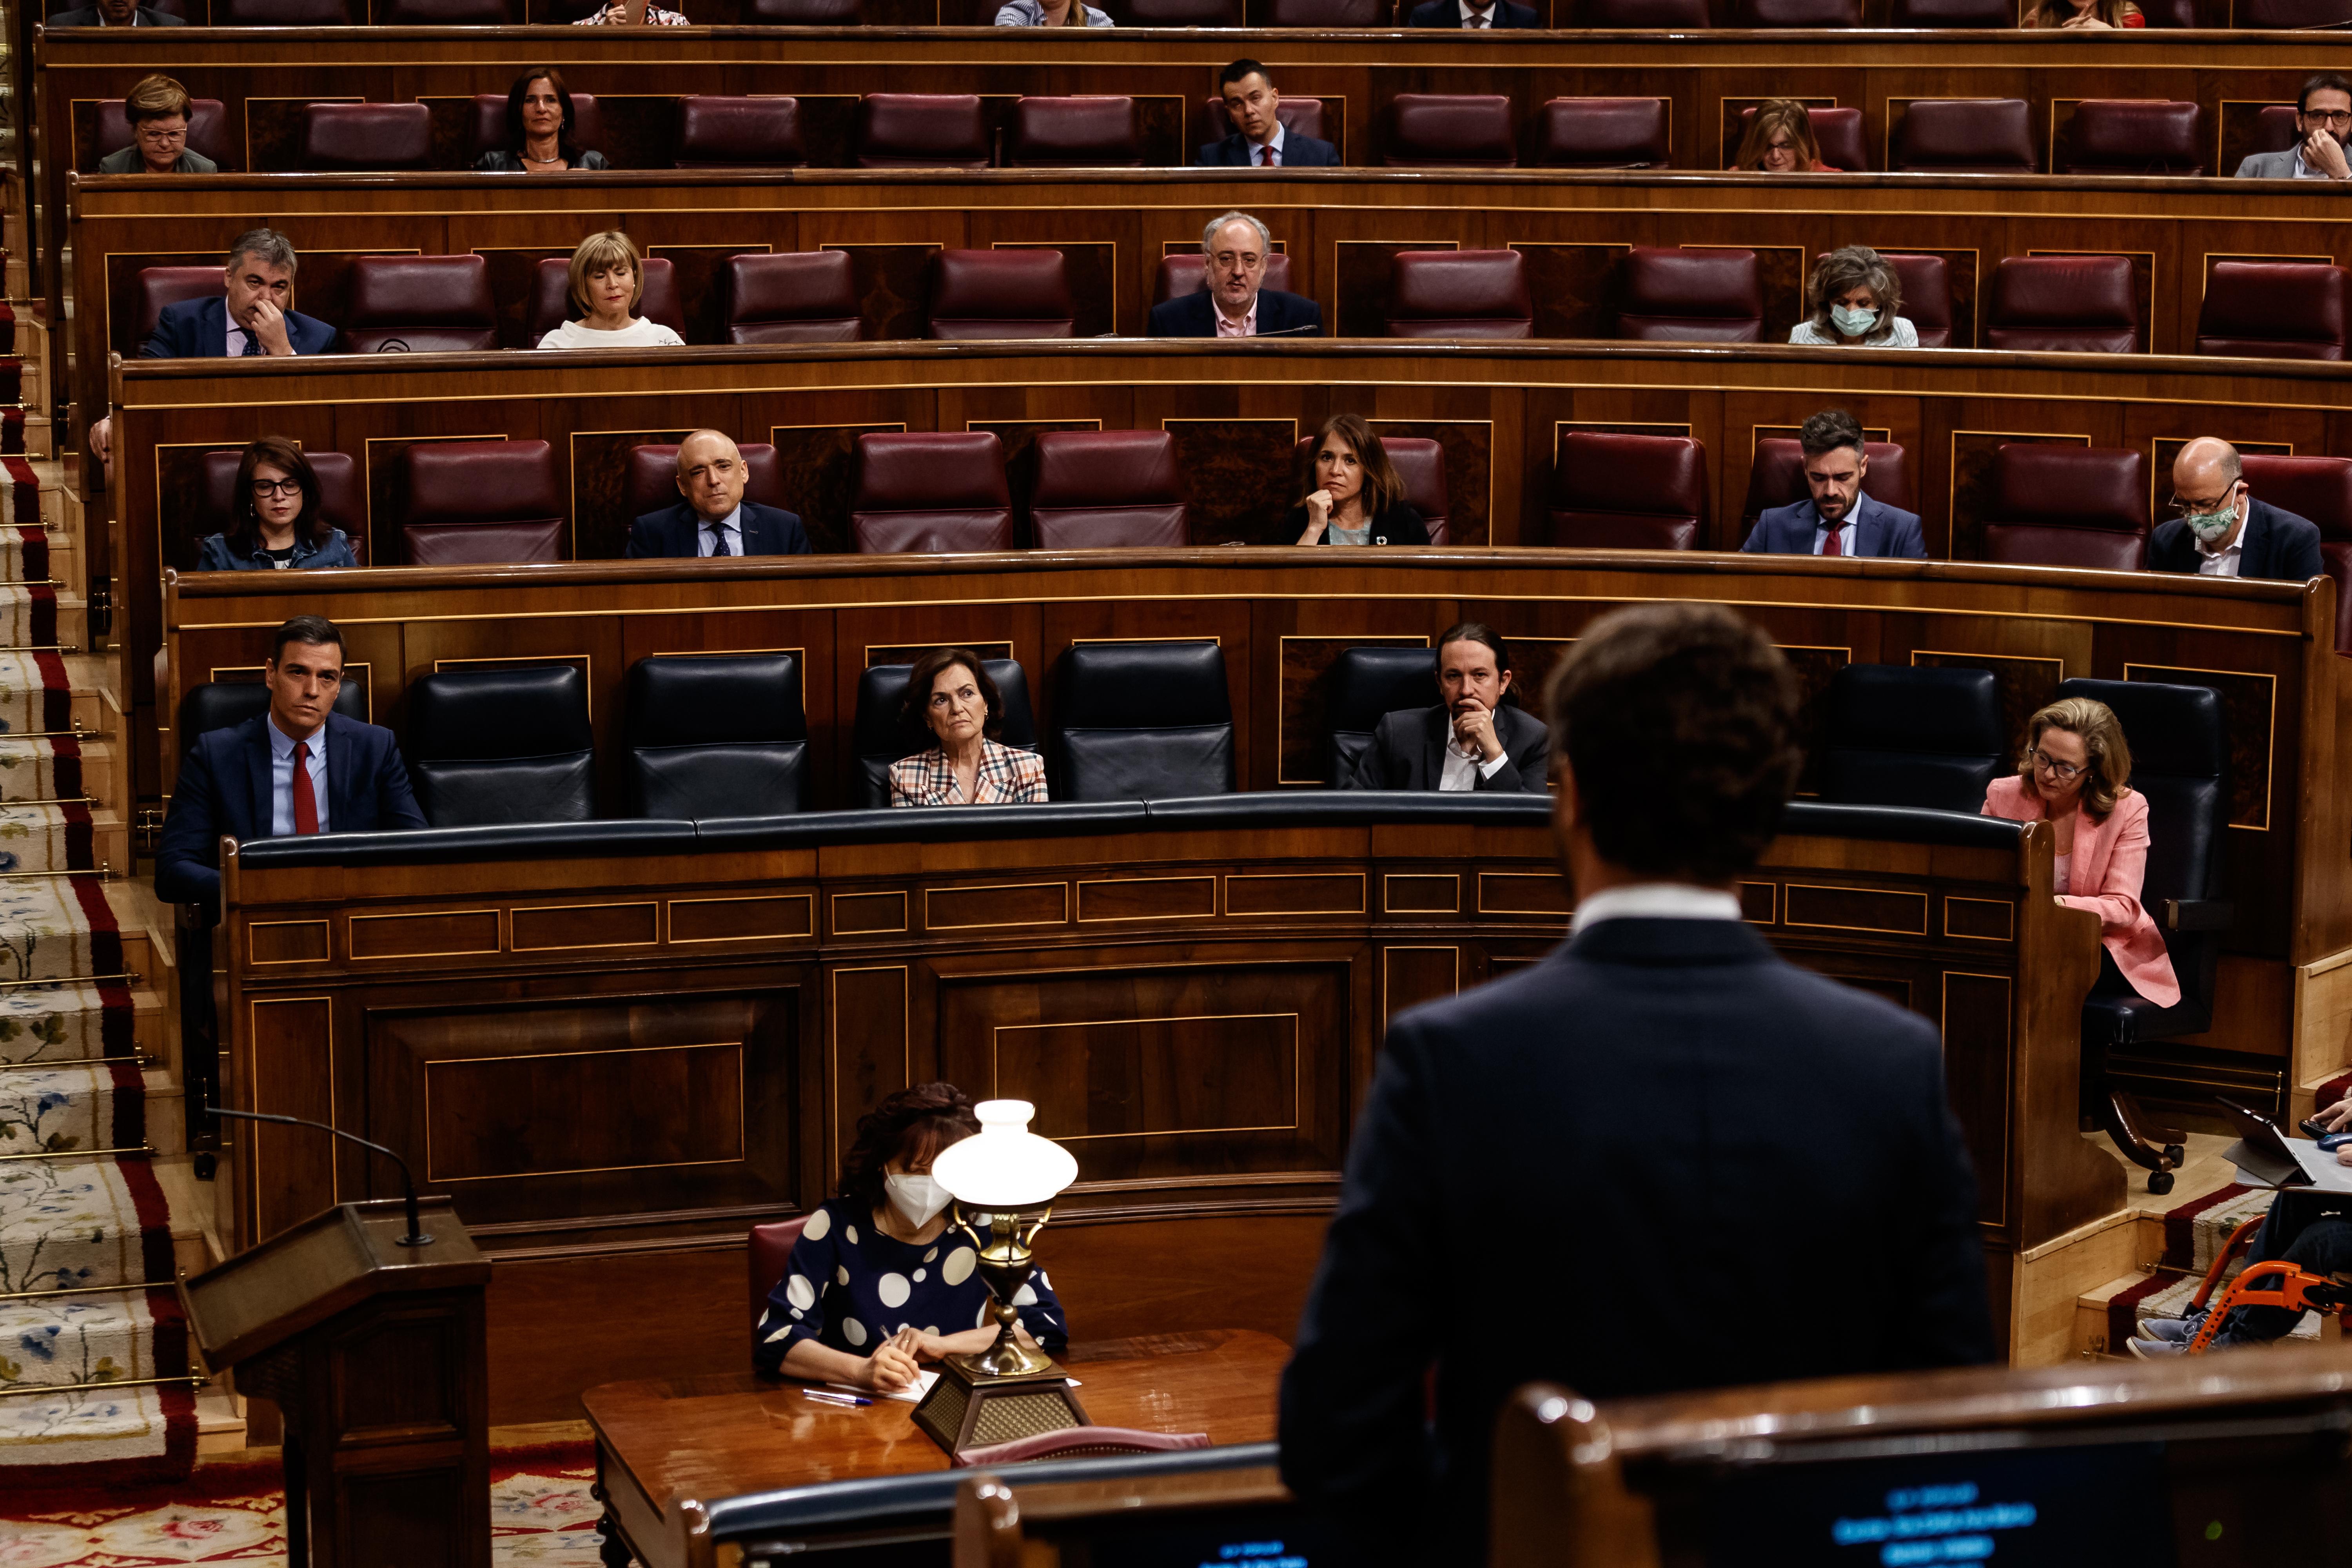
(1830, 546)
(1267, 158)
(305, 804)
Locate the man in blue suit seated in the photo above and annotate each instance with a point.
(1262, 141)
(301, 767)
(1235, 250)
(1839, 519)
(712, 518)
(1724, 1108)
(1472, 16)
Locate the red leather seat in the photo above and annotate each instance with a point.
(207, 131)
(999, 294)
(551, 296)
(1628, 492)
(770, 1254)
(1182, 14)
(1299, 117)
(1797, 12)
(1837, 130)
(802, 14)
(1952, 14)
(1690, 296)
(420, 304)
(931, 490)
(1603, 134)
(1778, 478)
(1966, 136)
(1076, 1443)
(1460, 294)
(791, 296)
(740, 133)
(1073, 133)
(490, 123)
(2063, 304)
(2131, 136)
(2280, 15)
(921, 130)
(163, 285)
(1317, 13)
(1450, 131)
(2068, 506)
(482, 502)
(444, 13)
(1420, 462)
(279, 14)
(2320, 490)
(650, 483)
(370, 137)
(1098, 488)
(1681, 15)
(2275, 309)
(2274, 130)
(341, 500)
(1188, 273)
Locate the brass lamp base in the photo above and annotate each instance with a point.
(969, 1407)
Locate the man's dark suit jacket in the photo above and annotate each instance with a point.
(1407, 751)
(1878, 529)
(223, 787)
(766, 531)
(1620, 1169)
(2276, 544)
(1448, 13)
(1194, 315)
(87, 16)
(1298, 153)
(198, 329)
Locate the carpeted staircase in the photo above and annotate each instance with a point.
(2194, 1231)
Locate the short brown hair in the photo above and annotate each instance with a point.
(918, 700)
(602, 252)
(157, 98)
(1382, 489)
(2102, 735)
(1677, 722)
(914, 1123)
(310, 526)
(1779, 114)
(1849, 268)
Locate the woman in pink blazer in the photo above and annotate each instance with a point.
(2075, 772)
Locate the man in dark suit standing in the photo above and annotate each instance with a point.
(301, 767)
(1236, 303)
(1471, 17)
(712, 518)
(1723, 1109)
(1472, 740)
(1838, 519)
(2219, 530)
(1260, 140)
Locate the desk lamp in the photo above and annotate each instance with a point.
(1005, 1178)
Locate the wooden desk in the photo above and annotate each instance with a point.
(666, 1449)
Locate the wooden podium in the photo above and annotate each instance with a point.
(374, 1351)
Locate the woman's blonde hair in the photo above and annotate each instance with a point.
(2053, 13)
(1781, 114)
(1382, 489)
(602, 252)
(157, 98)
(2102, 735)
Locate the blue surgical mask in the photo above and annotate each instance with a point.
(1853, 324)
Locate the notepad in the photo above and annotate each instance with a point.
(912, 1395)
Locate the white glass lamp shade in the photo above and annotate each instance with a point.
(1004, 1165)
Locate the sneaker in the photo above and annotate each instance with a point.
(2171, 1331)
(2156, 1349)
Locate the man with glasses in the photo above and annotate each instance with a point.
(2219, 530)
(1235, 301)
(712, 517)
(2323, 122)
(158, 110)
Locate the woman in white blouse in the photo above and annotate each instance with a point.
(1858, 302)
(607, 281)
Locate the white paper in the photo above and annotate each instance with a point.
(914, 1396)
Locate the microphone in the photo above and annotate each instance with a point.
(1289, 332)
(415, 1236)
(394, 346)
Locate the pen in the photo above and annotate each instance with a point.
(832, 1398)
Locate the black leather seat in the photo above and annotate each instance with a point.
(880, 740)
(717, 735)
(496, 746)
(1901, 736)
(1145, 720)
(1365, 683)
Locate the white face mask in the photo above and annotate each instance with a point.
(917, 1198)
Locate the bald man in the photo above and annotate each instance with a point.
(2220, 530)
(712, 517)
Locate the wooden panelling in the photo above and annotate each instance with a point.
(289, 941)
(1146, 898)
(1295, 893)
(989, 908)
(432, 934)
(635, 924)
(784, 916)
(484, 1116)
(1855, 908)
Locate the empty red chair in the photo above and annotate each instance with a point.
(1952, 14)
(551, 297)
(1317, 13)
(482, 502)
(443, 14)
(791, 296)
(1966, 136)
(1459, 294)
(921, 130)
(2281, 16)
(1188, 273)
(207, 131)
(931, 491)
(1073, 133)
(1690, 296)
(1098, 488)
(370, 137)
(160, 287)
(1001, 294)
(341, 500)
(2318, 490)
(279, 14)
(1182, 14)
(1420, 462)
(650, 483)
(2131, 136)
(1837, 132)
(1643, 14)
(740, 133)
(1797, 12)
(1778, 478)
(1450, 131)
(490, 129)
(802, 14)
(1628, 492)
(1299, 117)
(2063, 304)
(1603, 134)
(2068, 506)
(420, 304)
(1926, 296)
(2275, 309)
(2274, 130)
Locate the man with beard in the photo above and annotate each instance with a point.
(1838, 519)
(2322, 121)
(1236, 304)
(1472, 740)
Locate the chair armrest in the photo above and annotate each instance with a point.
(2199, 914)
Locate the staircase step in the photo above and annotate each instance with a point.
(220, 1420)
(83, 1224)
(63, 1341)
(81, 1110)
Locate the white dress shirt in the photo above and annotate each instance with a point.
(1462, 769)
(2223, 562)
(237, 341)
(706, 533)
(282, 778)
(1476, 21)
(1656, 902)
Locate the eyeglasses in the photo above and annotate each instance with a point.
(156, 133)
(2061, 770)
(266, 488)
(2330, 116)
(2181, 506)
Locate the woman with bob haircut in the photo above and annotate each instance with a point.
(540, 130)
(949, 694)
(1781, 140)
(2074, 771)
(1352, 493)
(280, 528)
(160, 114)
(2090, 16)
(607, 281)
(878, 1282)
(1858, 302)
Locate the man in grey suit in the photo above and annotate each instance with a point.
(1837, 519)
(2323, 119)
(1472, 740)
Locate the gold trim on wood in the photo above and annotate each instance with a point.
(808, 904)
(931, 924)
(2007, 918)
(897, 893)
(1789, 919)
(1391, 907)
(1232, 877)
(1387, 974)
(1772, 891)
(2270, 734)
(351, 939)
(518, 945)
(1501, 877)
(253, 956)
(1083, 883)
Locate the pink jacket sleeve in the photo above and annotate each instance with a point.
(2117, 902)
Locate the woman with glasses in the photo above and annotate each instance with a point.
(159, 111)
(2075, 774)
(279, 526)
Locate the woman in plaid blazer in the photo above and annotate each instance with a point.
(950, 692)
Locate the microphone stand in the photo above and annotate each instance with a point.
(415, 1236)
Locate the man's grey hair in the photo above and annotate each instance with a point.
(273, 248)
(1209, 235)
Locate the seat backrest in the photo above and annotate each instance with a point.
(1420, 463)
(2275, 309)
(651, 482)
(551, 296)
(1076, 1443)
(474, 502)
(341, 500)
(1145, 720)
(1838, 133)
(921, 130)
(2282, 16)
(444, 13)
(2063, 304)
(1450, 131)
(2068, 506)
(1778, 477)
(1096, 488)
(1966, 136)
(1918, 737)
(207, 129)
(420, 304)
(488, 746)
(1364, 685)
(717, 735)
(1299, 117)
(490, 129)
(1603, 134)
(2318, 490)
(212, 705)
(2131, 136)
(279, 14)
(366, 136)
(1927, 296)
(791, 296)
(1073, 132)
(1665, 295)
(1690, 15)
(1613, 491)
(803, 13)
(770, 1254)
(999, 294)
(1187, 272)
(1952, 14)
(879, 739)
(160, 287)
(740, 132)
(2274, 130)
(1797, 12)
(923, 492)
(1180, 12)
(1459, 294)
(1317, 14)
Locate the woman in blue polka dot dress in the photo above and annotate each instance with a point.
(878, 1282)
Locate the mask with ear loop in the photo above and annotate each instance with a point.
(917, 1198)
(2210, 527)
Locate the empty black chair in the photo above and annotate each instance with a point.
(1145, 720)
(880, 740)
(1365, 684)
(717, 735)
(490, 746)
(1901, 736)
